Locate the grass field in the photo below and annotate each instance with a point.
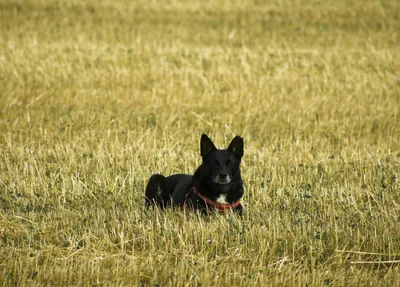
(95, 96)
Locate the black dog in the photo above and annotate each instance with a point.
(216, 184)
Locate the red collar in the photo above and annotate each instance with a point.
(218, 206)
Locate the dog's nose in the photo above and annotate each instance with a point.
(223, 176)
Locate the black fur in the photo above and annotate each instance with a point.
(219, 174)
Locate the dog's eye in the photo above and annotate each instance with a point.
(228, 162)
(217, 162)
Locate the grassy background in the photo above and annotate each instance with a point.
(95, 96)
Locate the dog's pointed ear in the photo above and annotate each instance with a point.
(236, 146)
(206, 145)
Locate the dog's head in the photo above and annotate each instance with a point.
(222, 165)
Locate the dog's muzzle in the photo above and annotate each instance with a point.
(222, 178)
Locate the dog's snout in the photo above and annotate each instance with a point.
(222, 178)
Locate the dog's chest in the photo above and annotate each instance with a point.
(222, 199)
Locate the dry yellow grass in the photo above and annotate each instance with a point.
(95, 96)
